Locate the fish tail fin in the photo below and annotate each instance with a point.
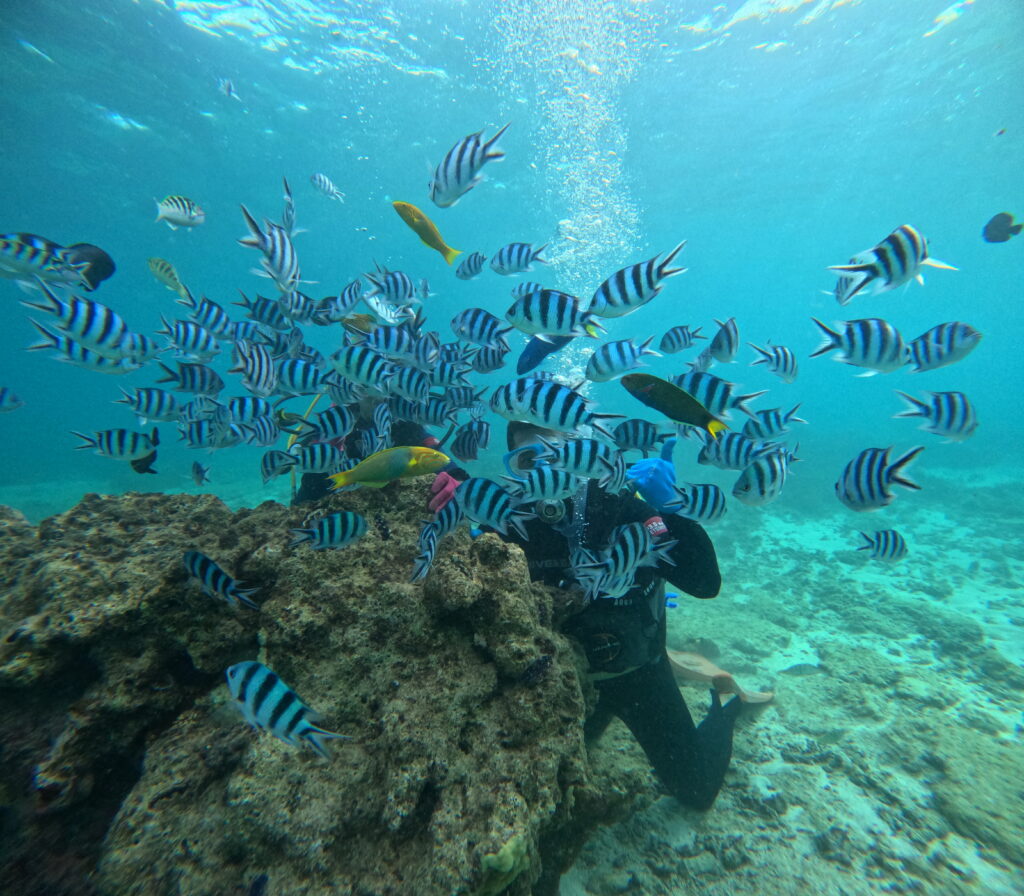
(765, 355)
(169, 375)
(154, 437)
(695, 333)
(715, 427)
(896, 473)
(869, 542)
(740, 402)
(867, 273)
(935, 263)
(791, 416)
(596, 423)
(255, 238)
(645, 348)
(535, 255)
(318, 738)
(159, 211)
(663, 267)
(914, 407)
(832, 339)
(593, 328)
(1015, 229)
(50, 339)
(339, 480)
(491, 152)
(88, 441)
(451, 254)
(301, 536)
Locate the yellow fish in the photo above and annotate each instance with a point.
(393, 463)
(425, 229)
(364, 323)
(164, 271)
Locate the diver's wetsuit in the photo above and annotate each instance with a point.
(624, 640)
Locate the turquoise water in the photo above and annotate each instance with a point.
(776, 138)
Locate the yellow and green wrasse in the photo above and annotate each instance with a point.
(675, 403)
(165, 272)
(425, 229)
(386, 466)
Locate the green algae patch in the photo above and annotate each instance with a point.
(504, 866)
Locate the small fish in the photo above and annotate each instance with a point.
(780, 360)
(225, 86)
(521, 289)
(678, 339)
(672, 401)
(586, 458)
(703, 502)
(487, 504)
(166, 274)
(870, 343)
(365, 323)
(637, 434)
(191, 340)
(492, 357)
(326, 186)
(217, 583)
(9, 401)
(551, 313)
(89, 323)
(179, 211)
(270, 705)
(896, 260)
(426, 230)
(761, 482)
(770, 423)
(460, 170)
(885, 544)
(275, 462)
(613, 359)
(1000, 228)
(633, 286)
(545, 483)
(942, 345)
(478, 326)
(280, 262)
(716, 394)
(546, 404)
(74, 353)
(151, 404)
(256, 364)
(29, 258)
(196, 378)
(866, 480)
(948, 414)
(516, 258)
(733, 451)
(427, 545)
(385, 467)
(726, 342)
(363, 365)
(332, 531)
(397, 287)
(471, 266)
(138, 448)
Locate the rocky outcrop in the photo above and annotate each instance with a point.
(127, 769)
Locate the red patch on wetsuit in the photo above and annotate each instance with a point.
(656, 526)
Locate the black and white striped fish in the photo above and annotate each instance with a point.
(471, 266)
(447, 374)
(363, 365)
(478, 326)
(762, 481)
(217, 583)
(256, 364)
(770, 423)
(328, 426)
(91, 324)
(246, 408)
(335, 530)
(885, 544)
(633, 286)
(488, 504)
(269, 704)
(200, 474)
(948, 414)
(871, 343)
(545, 483)
(427, 546)
(866, 480)
(288, 213)
(587, 458)
(547, 404)
(138, 448)
(489, 358)
(611, 573)
(151, 404)
(280, 262)
(31, 259)
(408, 382)
(318, 457)
(613, 359)
(634, 433)
(460, 170)
(397, 287)
(179, 211)
(726, 342)
(780, 360)
(72, 352)
(275, 462)
(942, 345)
(678, 339)
(263, 431)
(298, 377)
(298, 307)
(9, 401)
(732, 451)
(326, 186)
(715, 393)
(190, 339)
(208, 314)
(516, 258)
(469, 439)
(189, 377)
(264, 311)
(703, 502)
(896, 260)
(551, 313)
(395, 343)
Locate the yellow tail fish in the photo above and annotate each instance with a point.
(393, 463)
(164, 271)
(425, 229)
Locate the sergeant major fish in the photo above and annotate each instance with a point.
(613, 359)
(270, 705)
(885, 544)
(679, 338)
(460, 169)
(138, 448)
(29, 258)
(942, 345)
(217, 583)
(948, 414)
(780, 360)
(871, 343)
(471, 266)
(725, 343)
(633, 286)
(179, 211)
(334, 530)
(326, 186)
(865, 483)
(551, 313)
(516, 258)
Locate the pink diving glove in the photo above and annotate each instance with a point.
(442, 490)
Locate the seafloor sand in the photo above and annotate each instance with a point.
(891, 760)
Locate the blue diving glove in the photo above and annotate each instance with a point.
(655, 478)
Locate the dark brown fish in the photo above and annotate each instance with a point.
(675, 403)
(1000, 228)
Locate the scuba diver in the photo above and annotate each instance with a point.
(624, 638)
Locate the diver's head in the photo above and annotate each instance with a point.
(524, 444)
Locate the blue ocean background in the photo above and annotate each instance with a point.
(776, 138)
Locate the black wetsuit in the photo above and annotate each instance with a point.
(624, 640)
